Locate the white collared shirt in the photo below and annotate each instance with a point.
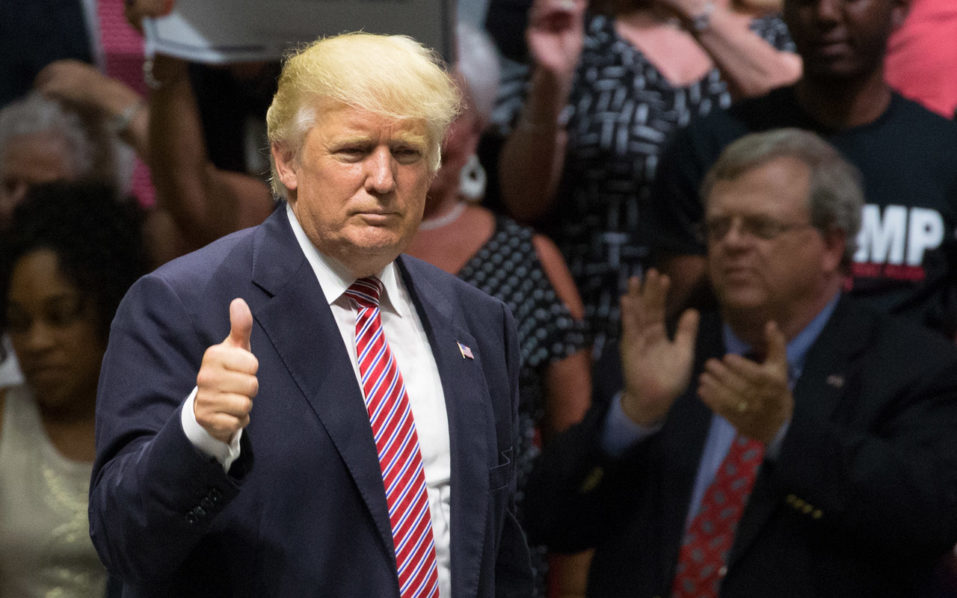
(413, 353)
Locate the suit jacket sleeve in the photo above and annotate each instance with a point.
(575, 490)
(152, 494)
(879, 461)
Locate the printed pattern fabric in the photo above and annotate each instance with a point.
(621, 113)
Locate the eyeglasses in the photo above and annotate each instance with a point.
(758, 227)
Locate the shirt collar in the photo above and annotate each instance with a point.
(797, 348)
(334, 278)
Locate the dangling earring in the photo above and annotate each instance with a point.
(472, 179)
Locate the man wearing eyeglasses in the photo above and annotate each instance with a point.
(793, 443)
(906, 260)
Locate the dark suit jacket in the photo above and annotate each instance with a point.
(860, 501)
(303, 511)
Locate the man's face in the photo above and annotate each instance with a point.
(358, 185)
(842, 38)
(766, 261)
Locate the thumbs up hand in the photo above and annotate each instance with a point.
(226, 382)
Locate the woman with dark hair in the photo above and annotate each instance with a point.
(72, 254)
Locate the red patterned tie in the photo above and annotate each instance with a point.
(711, 533)
(397, 443)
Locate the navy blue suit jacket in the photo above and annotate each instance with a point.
(303, 511)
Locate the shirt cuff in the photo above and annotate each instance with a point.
(620, 432)
(203, 440)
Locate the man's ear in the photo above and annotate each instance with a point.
(835, 242)
(286, 166)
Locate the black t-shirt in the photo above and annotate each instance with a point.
(906, 262)
(34, 34)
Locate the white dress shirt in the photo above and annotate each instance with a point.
(413, 353)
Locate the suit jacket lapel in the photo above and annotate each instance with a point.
(830, 362)
(471, 431)
(817, 394)
(304, 334)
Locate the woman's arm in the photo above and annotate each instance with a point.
(531, 162)
(568, 380)
(204, 201)
(123, 109)
(749, 64)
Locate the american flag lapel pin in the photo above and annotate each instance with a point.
(465, 351)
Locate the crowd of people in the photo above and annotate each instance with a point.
(621, 298)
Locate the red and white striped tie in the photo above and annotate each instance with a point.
(397, 443)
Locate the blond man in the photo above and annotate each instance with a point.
(266, 463)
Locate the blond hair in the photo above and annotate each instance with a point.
(390, 75)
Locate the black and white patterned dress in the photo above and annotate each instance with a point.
(620, 114)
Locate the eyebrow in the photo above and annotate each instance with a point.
(414, 139)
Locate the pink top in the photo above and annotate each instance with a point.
(922, 56)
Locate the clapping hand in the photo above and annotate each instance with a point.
(656, 369)
(753, 396)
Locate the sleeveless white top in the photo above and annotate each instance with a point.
(45, 546)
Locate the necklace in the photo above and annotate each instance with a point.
(445, 219)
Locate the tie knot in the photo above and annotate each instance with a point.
(366, 291)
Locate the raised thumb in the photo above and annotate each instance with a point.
(777, 349)
(240, 324)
